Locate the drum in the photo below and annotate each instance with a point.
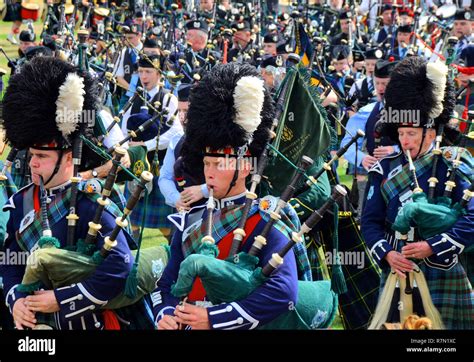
(446, 11)
(30, 11)
(99, 15)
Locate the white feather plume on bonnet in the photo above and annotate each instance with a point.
(69, 104)
(437, 72)
(249, 95)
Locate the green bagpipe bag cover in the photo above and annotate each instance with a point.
(430, 219)
(316, 308)
(224, 280)
(51, 268)
(235, 278)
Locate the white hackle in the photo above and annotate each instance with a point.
(437, 73)
(249, 95)
(69, 104)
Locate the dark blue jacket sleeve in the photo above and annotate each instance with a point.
(12, 273)
(373, 220)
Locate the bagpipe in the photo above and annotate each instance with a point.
(327, 166)
(52, 267)
(340, 232)
(359, 302)
(430, 216)
(238, 276)
(231, 276)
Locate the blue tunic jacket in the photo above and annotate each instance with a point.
(79, 303)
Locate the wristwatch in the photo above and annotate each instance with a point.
(94, 173)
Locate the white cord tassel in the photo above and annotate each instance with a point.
(69, 104)
(249, 95)
(437, 73)
(385, 301)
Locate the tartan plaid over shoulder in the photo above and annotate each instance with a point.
(58, 209)
(226, 220)
(402, 180)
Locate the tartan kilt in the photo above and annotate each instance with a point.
(358, 304)
(156, 211)
(452, 295)
(13, 12)
(318, 266)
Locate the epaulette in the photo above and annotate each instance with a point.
(378, 167)
(179, 219)
(10, 204)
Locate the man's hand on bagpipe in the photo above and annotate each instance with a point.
(22, 315)
(42, 301)
(193, 316)
(191, 194)
(418, 250)
(398, 263)
(104, 170)
(368, 161)
(136, 143)
(168, 322)
(181, 205)
(383, 151)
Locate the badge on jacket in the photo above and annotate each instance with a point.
(27, 221)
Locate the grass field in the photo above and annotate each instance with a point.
(151, 237)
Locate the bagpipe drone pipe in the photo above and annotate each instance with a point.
(358, 303)
(363, 276)
(338, 238)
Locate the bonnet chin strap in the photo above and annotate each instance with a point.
(422, 141)
(56, 168)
